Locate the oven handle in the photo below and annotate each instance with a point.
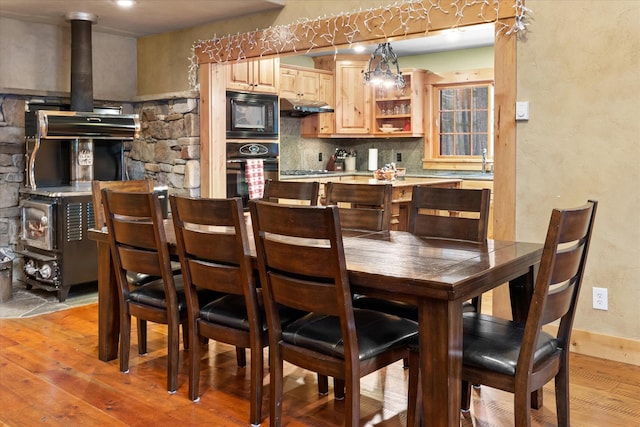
(269, 160)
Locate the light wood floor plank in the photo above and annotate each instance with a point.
(50, 374)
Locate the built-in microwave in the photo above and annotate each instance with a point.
(252, 115)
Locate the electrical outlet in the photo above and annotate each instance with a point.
(319, 157)
(600, 299)
(398, 157)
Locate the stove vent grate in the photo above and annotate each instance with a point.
(75, 221)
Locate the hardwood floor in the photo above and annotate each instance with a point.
(50, 374)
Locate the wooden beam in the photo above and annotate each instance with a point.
(504, 174)
(393, 22)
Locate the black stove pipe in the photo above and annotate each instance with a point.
(81, 61)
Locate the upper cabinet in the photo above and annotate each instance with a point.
(352, 98)
(254, 76)
(400, 112)
(299, 83)
(321, 124)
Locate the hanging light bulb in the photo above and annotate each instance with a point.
(383, 68)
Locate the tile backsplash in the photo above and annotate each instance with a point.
(303, 153)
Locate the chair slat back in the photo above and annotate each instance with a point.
(301, 258)
(362, 206)
(142, 185)
(288, 191)
(212, 244)
(450, 213)
(559, 278)
(137, 236)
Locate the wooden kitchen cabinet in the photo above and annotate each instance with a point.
(402, 110)
(299, 82)
(261, 75)
(321, 124)
(352, 97)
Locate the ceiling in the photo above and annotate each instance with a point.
(145, 18)
(149, 17)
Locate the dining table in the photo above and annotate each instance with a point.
(436, 274)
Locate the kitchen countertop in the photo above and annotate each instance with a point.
(468, 175)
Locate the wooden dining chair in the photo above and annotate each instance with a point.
(522, 357)
(445, 213)
(213, 247)
(290, 191)
(451, 213)
(141, 185)
(362, 206)
(139, 244)
(302, 265)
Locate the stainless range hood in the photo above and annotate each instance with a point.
(302, 107)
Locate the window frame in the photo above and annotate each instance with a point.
(432, 157)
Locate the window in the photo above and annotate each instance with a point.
(462, 122)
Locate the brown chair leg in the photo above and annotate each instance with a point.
(142, 336)
(241, 357)
(536, 399)
(185, 336)
(257, 375)
(465, 403)
(173, 356)
(414, 404)
(562, 395)
(323, 385)
(194, 370)
(522, 408)
(338, 389)
(125, 342)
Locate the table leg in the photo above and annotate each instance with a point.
(441, 361)
(108, 306)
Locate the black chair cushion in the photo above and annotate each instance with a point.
(493, 343)
(231, 311)
(137, 279)
(152, 294)
(377, 332)
(397, 308)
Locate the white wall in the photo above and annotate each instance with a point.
(36, 57)
(579, 67)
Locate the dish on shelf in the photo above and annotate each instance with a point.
(386, 130)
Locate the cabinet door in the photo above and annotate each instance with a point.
(353, 99)
(254, 76)
(288, 83)
(308, 84)
(266, 75)
(322, 124)
(239, 76)
(299, 84)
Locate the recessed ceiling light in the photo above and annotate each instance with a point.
(125, 3)
(358, 48)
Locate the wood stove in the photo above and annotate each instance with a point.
(66, 151)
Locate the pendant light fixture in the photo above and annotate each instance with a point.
(383, 68)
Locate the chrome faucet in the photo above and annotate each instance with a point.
(484, 160)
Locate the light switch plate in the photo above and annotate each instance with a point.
(522, 110)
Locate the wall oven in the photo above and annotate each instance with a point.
(237, 155)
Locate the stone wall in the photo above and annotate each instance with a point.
(168, 150)
(12, 163)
